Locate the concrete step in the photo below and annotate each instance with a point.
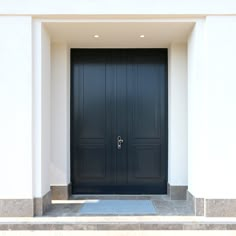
(118, 223)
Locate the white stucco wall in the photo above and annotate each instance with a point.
(197, 111)
(212, 108)
(16, 107)
(221, 79)
(46, 111)
(30, 136)
(177, 114)
(60, 155)
(133, 7)
(41, 109)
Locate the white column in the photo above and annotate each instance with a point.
(16, 116)
(212, 115)
(197, 111)
(178, 117)
(60, 95)
(221, 75)
(211, 108)
(41, 110)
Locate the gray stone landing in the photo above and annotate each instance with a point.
(170, 215)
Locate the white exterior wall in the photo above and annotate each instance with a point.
(212, 109)
(133, 7)
(25, 89)
(46, 111)
(41, 110)
(221, 77)
(60, 139)
(178, 116)
(197, 111)
(16, 108)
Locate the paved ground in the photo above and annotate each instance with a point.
(118, 233)
(171, 215)
(163, 205)
(118, 223)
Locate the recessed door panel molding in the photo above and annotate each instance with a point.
(147, 158)
(119, 121)
(146, 104)
(93, 114)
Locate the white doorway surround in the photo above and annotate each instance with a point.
(171, 34)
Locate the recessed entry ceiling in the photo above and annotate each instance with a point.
(119, 34)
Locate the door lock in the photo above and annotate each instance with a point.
(119, 142)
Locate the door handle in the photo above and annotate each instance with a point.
(119, 142)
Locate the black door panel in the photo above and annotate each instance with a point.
(119, 92)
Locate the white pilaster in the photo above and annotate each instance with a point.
(60, 95)
(16, 108)
(16, 186)
(197, 111)
(41, 109)
(178, 117)
(221, 76)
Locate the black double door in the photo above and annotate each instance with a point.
(119, 121)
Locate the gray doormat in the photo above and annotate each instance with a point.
(118, 207)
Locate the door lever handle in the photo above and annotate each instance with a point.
(119, 142)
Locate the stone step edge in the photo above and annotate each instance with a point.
(119, 226)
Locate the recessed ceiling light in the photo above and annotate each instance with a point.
(96, 36)
(141, 36)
